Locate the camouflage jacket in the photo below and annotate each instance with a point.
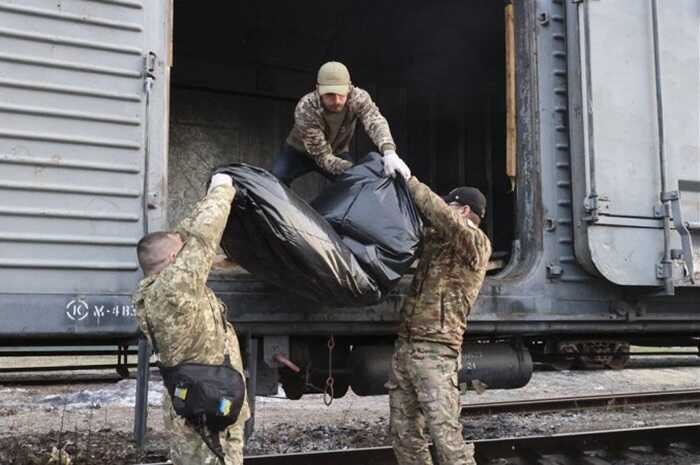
(318, 133)
(187, 320)
(450, 272)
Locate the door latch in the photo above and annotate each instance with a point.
(149, 67)
(683, 228)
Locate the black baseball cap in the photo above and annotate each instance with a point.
(469, 196)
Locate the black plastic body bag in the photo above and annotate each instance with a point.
(352, 251)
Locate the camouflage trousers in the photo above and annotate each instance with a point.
(424, 393)
(186, 445)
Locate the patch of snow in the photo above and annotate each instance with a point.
(120, 394)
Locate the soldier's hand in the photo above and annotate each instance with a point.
(393, 164)
(219, 179)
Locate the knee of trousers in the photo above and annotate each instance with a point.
(407, 434)
(444, 425)
(409, 445)
(232, 442)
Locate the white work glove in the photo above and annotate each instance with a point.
(219, 179)
(393, 164)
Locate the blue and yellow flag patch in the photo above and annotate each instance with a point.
(181, 392)
(225, 407)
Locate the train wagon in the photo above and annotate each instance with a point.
(579, 120)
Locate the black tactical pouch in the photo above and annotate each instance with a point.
(206, 395)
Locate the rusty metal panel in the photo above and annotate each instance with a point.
(74, 150)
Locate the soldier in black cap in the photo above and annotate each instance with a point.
(423, 386)
(468, 197)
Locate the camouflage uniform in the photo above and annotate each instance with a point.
(189, 323)
(323, 134)
(423, 386)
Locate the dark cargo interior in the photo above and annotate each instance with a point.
(436, 70)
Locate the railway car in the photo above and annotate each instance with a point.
(579, 120)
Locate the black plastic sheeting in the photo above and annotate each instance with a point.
(354, 254)
(376, 219)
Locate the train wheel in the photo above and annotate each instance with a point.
(293, 385)
(620, 359)
(122, 371)
(340, 387)
(563, 364)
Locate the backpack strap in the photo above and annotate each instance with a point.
(150, 334)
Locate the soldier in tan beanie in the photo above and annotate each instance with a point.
(324, 124)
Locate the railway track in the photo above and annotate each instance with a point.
(58, 375)
(609, 401)
(93, 361)
(678, 444)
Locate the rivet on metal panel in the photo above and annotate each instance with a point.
(153, 199)
(550, 224)
(543, 18)
(658, 211)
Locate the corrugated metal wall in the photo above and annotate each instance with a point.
(71, 145)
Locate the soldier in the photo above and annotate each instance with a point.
(423, 385)
(324, 124)
(187, 325)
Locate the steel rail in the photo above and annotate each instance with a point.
(572, 446)
(680, 396)
(40, 369)
(675, 353)
(62, 353)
